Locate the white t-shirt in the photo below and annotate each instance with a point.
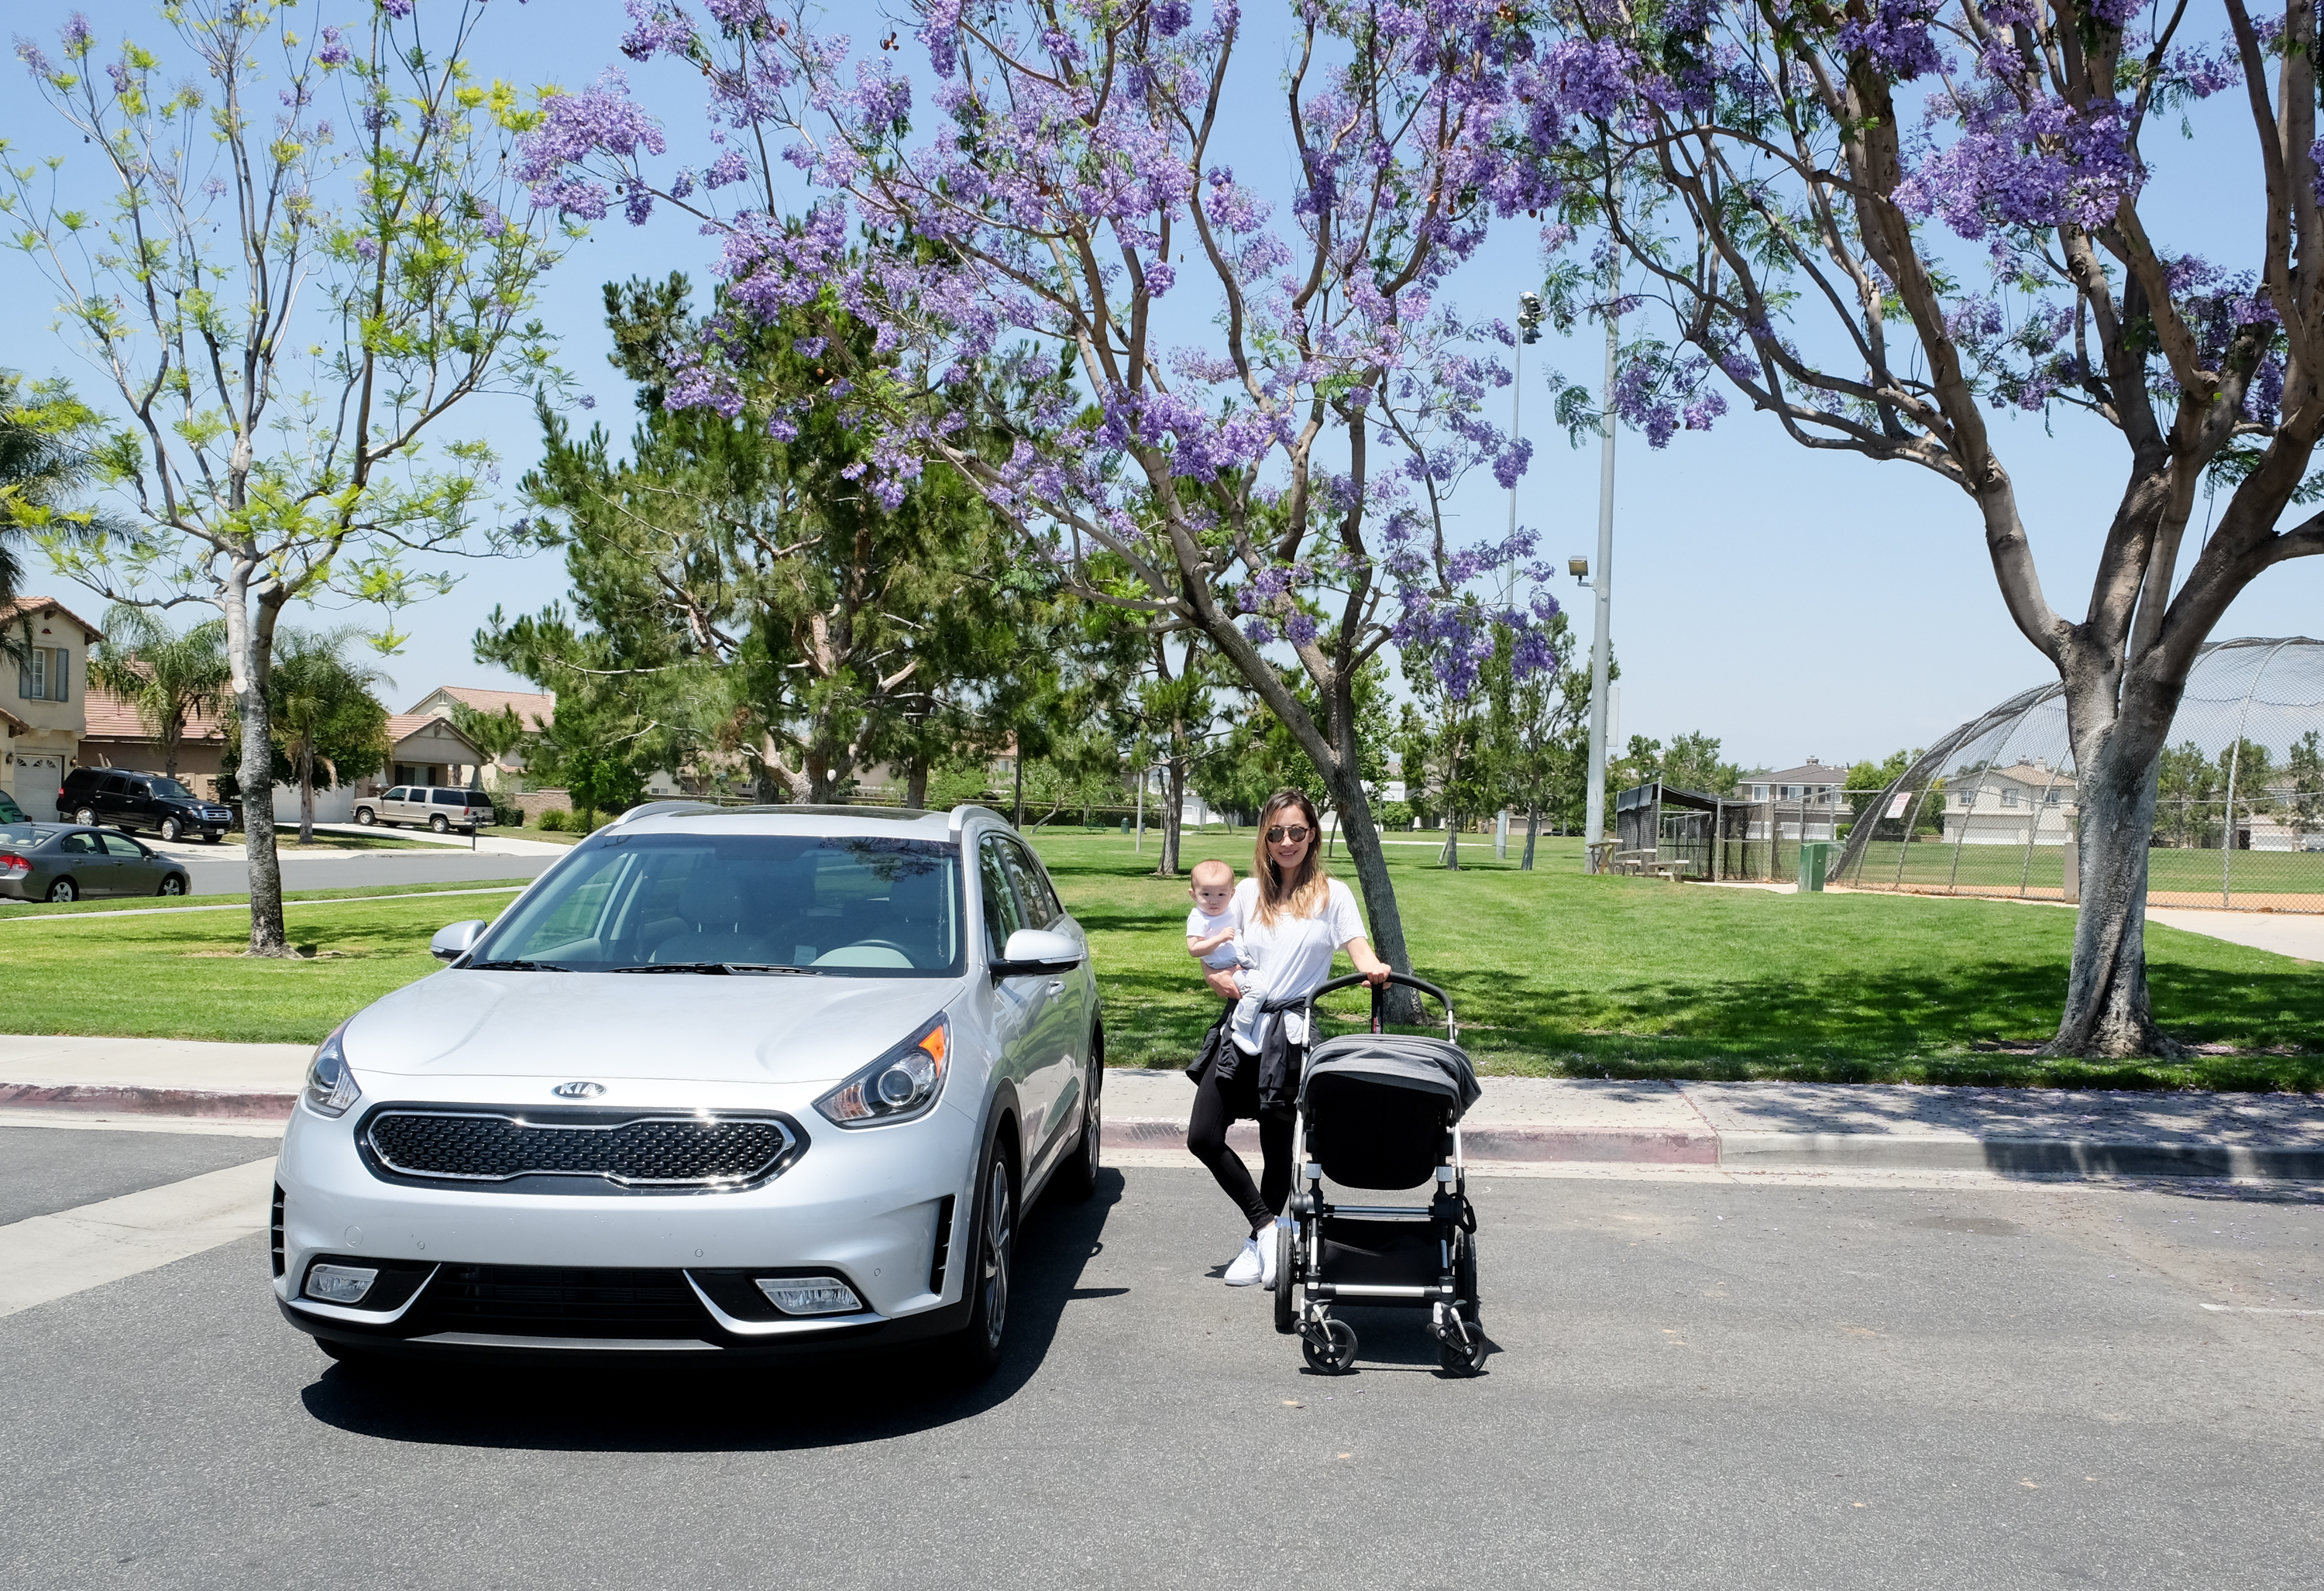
(1199, 926)
(1290, 955)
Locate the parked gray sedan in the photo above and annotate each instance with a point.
(65, 861)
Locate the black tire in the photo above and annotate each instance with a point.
(172, 829)
(1286, 1270)
(978, 1346)
(365, 817)
(1336, 1353)
(172, 884)
(85, 817)
(1077, 1178)
(64, 889)
(438, 824)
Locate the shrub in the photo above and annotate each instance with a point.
(556, 821)
(1396, 815)
(508, 817)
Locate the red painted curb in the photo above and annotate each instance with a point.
(1604, 1145)
(130, 1102)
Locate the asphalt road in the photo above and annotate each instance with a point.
(1697, 1385)
(356, 869)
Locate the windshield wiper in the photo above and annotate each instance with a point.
(518, 966)
(737, 968)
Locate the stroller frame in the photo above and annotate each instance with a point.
(1449, 1294)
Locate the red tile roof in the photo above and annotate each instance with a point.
(112, 718)
(404, 725)
(38, 605)
(534, 709)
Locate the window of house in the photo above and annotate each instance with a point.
(45, 676)
(2009, 796)
(2050, 796)
(1969, 798)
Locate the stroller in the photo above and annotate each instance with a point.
(1381, 1110)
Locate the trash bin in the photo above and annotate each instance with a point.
(1816, 856)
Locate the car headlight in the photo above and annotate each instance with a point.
(330, 1080)
(900, 1085)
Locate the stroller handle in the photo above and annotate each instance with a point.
(1452, 1029)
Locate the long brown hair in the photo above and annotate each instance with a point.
(1302, 895)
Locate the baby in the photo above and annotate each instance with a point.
(1209, 926)
(1211, 940)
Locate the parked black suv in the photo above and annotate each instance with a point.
(123, 800)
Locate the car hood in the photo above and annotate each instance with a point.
(660, 1026)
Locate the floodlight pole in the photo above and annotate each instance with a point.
(1593, 823)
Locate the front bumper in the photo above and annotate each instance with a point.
(882, 1208)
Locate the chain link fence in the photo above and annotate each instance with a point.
(2239, 809)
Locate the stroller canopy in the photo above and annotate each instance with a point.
(1432, 1066)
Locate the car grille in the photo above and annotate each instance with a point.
(665, 1152)
(559, 1301)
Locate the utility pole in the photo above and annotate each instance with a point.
(1601, 645)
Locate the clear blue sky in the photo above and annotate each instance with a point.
(1792, 604)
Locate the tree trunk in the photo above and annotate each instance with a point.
(1364, 849)
(1533, 832)
(1173, 815)
(307, 793)
(2108, 1014)
(1016, 820)
(249, 642)
(916, 783)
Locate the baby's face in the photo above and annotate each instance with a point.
(1213, 898)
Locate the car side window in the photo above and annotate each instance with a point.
(450, 798)
(114, 785)
(76, 845)
(1040, 905)
(120, 845)
(1003, 915)
(394, 795)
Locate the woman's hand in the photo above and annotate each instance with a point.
(1369, 967)
(1223, 983)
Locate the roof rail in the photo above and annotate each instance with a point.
(962, 814)
(661, 809)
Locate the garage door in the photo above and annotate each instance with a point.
(36, 782)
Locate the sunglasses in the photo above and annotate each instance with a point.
(1295, 833)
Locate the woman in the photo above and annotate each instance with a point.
(1289, 917)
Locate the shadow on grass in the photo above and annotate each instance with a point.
(718, 1407)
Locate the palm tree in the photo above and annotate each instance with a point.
(167, 678)
(46, 436)
(323, 714)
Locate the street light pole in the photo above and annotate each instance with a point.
(1602, 646)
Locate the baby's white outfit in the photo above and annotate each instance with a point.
(1201, 926)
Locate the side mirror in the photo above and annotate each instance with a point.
(457, 940)
(1037, 950)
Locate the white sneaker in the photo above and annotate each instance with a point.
(1267, 1237)
(1248, 1266)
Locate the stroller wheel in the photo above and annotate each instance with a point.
(1456, 1355)
(1331, 1347)
(1286, 1270)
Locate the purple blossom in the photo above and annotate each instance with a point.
(334, 51)
(396, 10)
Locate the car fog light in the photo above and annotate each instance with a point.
(339, 1285)
(809, 1295)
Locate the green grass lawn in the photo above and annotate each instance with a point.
(1556, 973)
(10, 910)
(2172, 870)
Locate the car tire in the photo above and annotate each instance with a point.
(1077, 1177)
(364, 816)
(438, 824)
(173, 884)
(85, 817)
(208, 838)
(64, 889)
(977, 1347)
(171, 830)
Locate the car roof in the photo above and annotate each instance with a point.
(699, 818)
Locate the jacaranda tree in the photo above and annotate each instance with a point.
(1889, 225)
(1247, 388)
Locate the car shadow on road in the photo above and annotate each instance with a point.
(825, 1402)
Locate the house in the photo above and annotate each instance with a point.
(2028, 803)
(535, 710)
(1803, 803)
(116, 737)
(42, 719)
(426, 748)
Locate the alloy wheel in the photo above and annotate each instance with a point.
(173, 885)
(171, 830)
(995, 1257)
(63, 889)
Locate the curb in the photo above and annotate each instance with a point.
(1826, 1151)
(134, 1101)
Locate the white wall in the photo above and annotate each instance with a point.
(335, 805)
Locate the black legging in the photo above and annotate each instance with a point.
(1219, 1102)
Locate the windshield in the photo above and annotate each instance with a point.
(868, 906)
(169, 789)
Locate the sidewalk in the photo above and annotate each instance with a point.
(1736, 1126)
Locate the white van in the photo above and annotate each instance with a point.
(439, 808)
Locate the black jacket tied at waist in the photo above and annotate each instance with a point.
(1278, 1058)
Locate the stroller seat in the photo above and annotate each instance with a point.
(1379, 1106)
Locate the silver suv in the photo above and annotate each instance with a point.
(441, 809)
(742, 1082)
